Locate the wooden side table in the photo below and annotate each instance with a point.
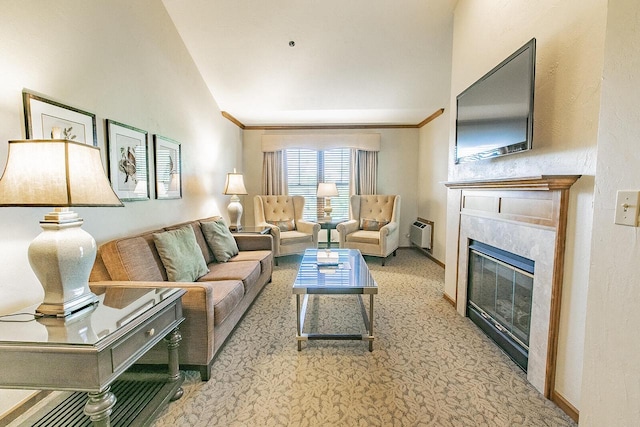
(252, 230)
(88, 350)
(329, 224)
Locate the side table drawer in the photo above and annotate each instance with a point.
(144, 338)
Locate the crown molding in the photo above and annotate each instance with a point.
(238, 123)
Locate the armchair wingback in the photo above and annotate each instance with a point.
(283, 214)
(373, 227)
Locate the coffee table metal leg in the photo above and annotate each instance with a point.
(298, 327)
(371, 322)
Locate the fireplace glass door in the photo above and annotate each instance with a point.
(500, 291)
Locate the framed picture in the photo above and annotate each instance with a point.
(128, 161)
(47, 119)
(167, 162)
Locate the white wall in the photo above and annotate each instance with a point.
(570, 43)
(611, 383)
(124, 61)
(397, 170)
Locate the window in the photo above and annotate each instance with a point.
(306, 168)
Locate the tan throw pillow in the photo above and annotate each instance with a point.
(284, 225)
(220, 240)
(372, 224)
(180, 254)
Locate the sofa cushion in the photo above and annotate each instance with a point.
(284, 225)
(133, 258)
(246, 271)
(372, 224)
(294, 237)
(180, 254)
(362, 236)
(264, 257)
(220, 240)
(227, 294)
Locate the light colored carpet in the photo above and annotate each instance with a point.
(429, 367)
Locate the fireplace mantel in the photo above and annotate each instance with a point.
(540, 182)
(526, 216)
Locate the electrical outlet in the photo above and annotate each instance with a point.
(627, 208)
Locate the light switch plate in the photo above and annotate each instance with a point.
(627, 208)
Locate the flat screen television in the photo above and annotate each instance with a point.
(495, 114)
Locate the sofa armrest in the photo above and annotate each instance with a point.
(308, 227)
(389, 229)
(347, 227)
(254, 242)
(197, 309)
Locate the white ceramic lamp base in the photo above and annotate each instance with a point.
(327, 209)
(62, 257)
(235, 213)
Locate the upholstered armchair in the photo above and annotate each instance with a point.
(373, 226)
(283, 214)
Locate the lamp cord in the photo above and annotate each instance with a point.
(35, 316)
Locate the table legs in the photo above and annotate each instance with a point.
(301, 309)
(100, 404)
(99, 407)
(173, 342)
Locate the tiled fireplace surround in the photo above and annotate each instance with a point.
(525, 216)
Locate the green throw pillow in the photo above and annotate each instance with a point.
(180, 254)
(220, 240)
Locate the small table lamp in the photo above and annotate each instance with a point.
(327, 190)
(235, 186)
(59, 174)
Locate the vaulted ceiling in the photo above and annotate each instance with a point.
(320, 61)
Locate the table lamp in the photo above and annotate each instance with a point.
(59, 174)
(235, 186)
(327, 190)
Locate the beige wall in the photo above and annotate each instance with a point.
(570, 43)
(124, 61)
(432, 173)
(397, 170)
(611, 383)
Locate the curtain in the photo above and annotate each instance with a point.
(364, 172)
(274, 173)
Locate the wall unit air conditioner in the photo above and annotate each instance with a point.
(421, 233)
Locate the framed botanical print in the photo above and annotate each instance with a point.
(48, 119)
(128, 160)
(167, 162)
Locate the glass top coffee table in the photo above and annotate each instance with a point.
(334, 272)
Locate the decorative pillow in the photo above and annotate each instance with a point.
(284, 225)
(220, 240)
(372, 224)
(180, 254)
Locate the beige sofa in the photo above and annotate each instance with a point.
(212, 306)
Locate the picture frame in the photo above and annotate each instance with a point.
(128, 161)
(168, 168)
(48, 119)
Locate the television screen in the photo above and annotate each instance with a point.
(495, 114)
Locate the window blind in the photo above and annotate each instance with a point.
(306, 168)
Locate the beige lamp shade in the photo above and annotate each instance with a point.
(61, 174)
(327, 189)
(56, 173)
(234, 184)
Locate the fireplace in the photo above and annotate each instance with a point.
(499, 297)
(527, 217)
